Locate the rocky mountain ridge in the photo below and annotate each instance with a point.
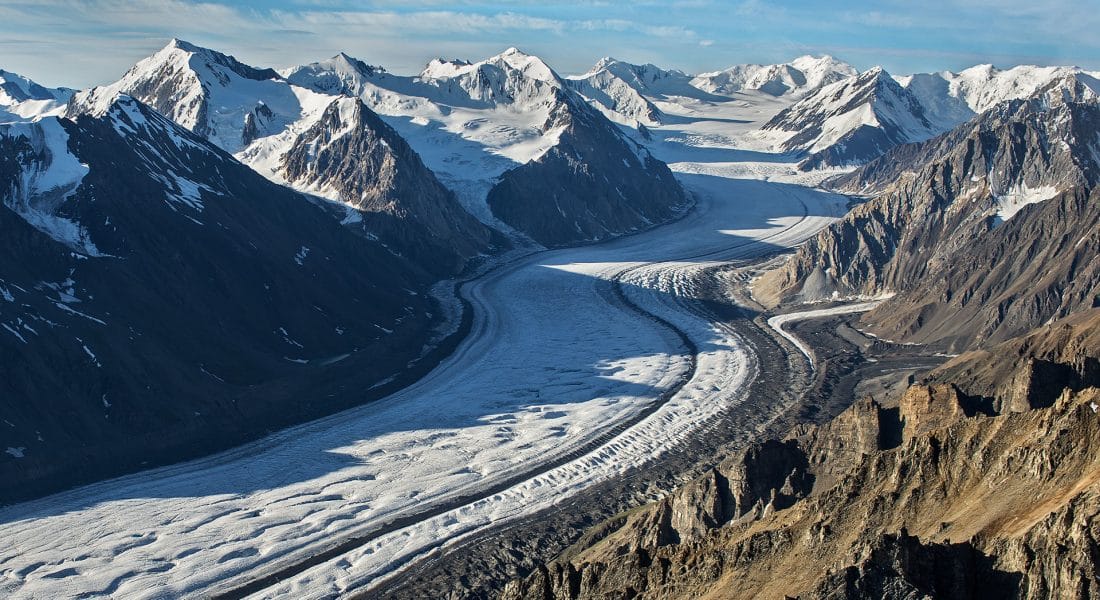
(858, 118)
(351, 155)
(799, 77)
(272, 126)
(524, 151)
(22, 98)
(616, 88)
(995, 220)
(626, 92)
(851, 121)
(953, 98)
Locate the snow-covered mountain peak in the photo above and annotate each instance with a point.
(874, 77)
(603, 63)
(985, 85)
(875, 85)
(182, 45)
(623, 91)
(981, 71)
(496, 110)
(16, 88)
(345, 62)
(441, 68)
(202, 61)
(874, 88)
(341, 74)
(823, 61)
(530, 65)
(212, 94)
(852, 120)
(822, 70)
(797, 78)
(617, 89)
(1070, 87)
(512, 60)
(648, 75)
(511, 80)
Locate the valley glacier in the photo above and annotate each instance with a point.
(535, 381)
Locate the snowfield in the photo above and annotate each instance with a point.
(579, 365)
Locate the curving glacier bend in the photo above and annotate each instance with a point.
(554, 361)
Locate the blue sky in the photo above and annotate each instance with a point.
(85, 42)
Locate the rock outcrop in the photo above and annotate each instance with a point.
(941, 496)
(1030, 371)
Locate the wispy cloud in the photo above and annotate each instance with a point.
(82, 42)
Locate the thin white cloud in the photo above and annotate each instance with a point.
(663, 31)
(105, 36)
(94, 41)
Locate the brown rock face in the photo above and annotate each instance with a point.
(927, 408)
(941, 497)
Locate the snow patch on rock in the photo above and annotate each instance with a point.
(49, 175)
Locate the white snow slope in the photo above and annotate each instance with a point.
(209, 93)
(536, 379)
(23, 100)
(951, 98)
